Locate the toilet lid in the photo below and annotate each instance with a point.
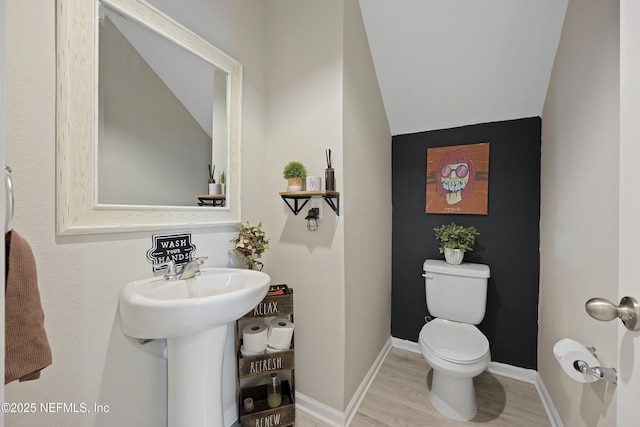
(454, 341)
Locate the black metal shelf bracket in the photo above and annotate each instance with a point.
(334, 205)
(296, 208)
(300, 200)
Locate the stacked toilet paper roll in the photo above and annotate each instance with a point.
(280, 334)
(254, 338)
(568, 352)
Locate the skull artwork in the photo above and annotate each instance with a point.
(455, 176)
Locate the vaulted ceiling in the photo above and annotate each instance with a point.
(448, 63)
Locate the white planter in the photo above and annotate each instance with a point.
(453, 256)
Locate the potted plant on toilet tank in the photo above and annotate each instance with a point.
(455, 240)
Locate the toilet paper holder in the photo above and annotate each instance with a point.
(606, 374)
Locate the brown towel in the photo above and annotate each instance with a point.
(26, 346)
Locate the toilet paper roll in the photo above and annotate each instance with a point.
(273, 350)
(567, 352)
(280, 334)
(254, 337)
(246, 353)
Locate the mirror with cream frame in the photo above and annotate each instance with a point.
(110, 136)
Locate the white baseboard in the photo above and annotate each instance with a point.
(319, 410)
(356, 400)
(549, 407)
(332, 416)
(514, 372)
(405, 345)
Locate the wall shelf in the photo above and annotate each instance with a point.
(300, 199)
(211, 199)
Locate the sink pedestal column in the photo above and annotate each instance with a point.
(194, 379)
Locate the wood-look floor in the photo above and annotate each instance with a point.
(399, 397)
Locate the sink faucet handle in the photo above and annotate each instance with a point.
(170, 266)
(172, 269)
(200, 260)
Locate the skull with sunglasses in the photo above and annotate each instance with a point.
(455, 176)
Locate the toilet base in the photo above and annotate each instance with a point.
(454, 398)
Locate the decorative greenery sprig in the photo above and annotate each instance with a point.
(452, 236)
(294, 170)
(250, 243)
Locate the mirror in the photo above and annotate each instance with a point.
(155, 127)
(142, 113)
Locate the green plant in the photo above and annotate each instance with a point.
(223, 178)
(452, 236)
(250, 243)
(294, 170)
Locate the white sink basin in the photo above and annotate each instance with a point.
(156, 308)
(192, 315)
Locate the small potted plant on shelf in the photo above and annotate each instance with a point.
(223, 181)
(455, 240)
(250, 244)
(295, 173)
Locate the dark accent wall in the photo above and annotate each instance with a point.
(509, 237)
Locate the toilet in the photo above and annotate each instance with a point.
(450, 343)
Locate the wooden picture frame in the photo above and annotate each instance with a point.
(458, 179)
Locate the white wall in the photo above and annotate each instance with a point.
(367, 197)
(579, 207)
(323, 93)
(80, 277)
(304, 117)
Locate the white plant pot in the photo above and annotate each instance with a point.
(453, 256)
(215, 188)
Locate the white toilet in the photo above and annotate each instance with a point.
(450, 343)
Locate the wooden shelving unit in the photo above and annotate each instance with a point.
(263, 365)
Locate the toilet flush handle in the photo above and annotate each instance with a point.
(628, 311)
(427, 276)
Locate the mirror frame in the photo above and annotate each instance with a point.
(77, 208)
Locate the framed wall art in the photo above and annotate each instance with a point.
(458, 179)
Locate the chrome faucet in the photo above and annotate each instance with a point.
(182, 271)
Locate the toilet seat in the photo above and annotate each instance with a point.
(455, 342)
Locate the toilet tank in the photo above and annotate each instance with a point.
(456, 292)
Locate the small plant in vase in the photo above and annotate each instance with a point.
(455, 240)
(295, 173)
(223, 181)
(250, 244)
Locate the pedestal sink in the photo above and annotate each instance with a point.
(192, 315)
